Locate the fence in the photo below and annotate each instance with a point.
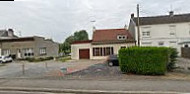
(185, 52)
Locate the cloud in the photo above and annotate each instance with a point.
(58, 19)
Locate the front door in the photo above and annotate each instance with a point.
(19, 55)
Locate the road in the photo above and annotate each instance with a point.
(24, 92)
(128, 85)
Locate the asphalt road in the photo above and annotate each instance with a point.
(128, 85)
(24, 92)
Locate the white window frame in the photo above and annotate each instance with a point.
(6, 51)
(43, 51)
(172, 30)
(161, 42)
(121, 37)
(146, 32)
(28, 52)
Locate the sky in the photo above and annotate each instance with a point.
(58, 19)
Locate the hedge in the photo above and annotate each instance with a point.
(144, 60)
(173, 58)
(39, 59)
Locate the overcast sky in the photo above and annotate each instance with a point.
(57, 19)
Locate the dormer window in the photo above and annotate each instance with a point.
(121, 37)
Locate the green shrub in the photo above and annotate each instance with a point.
(39, 59)
(173, 59)
(144, 60)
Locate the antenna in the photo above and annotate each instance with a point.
(171, 7)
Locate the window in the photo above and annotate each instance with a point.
(146, 32)
(28, 52)
(172, 29)
(146, 43)
(43, 51)
(173, 42)
(121, 37)
(6, 51)
(103, 51)
(161, 43)
(123, 47)
(97, 51)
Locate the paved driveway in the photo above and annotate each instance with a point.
(43, 69)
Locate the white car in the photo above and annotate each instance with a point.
(5, 59)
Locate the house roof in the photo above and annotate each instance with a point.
(4, 34)
(110, 36)
(18, 39)
(165, 19)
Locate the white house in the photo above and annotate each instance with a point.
(167, 30)
(104, 43)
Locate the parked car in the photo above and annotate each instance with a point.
(5, 59)
(113, 60)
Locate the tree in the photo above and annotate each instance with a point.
(81, 35)
(78, 36)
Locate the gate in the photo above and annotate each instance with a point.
(185, 52)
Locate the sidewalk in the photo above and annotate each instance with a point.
(162, 86)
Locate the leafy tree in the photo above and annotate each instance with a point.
(81, 35)
(78, 36)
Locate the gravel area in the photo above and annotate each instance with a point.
(99, 70)
(103, 71)
(183, 65)
(40, 70)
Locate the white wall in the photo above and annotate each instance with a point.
(161, 33)
(75, 50)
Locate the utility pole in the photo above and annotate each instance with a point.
(138, 24)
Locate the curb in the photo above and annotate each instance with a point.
(48, 90)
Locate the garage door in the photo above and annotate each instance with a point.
(84, 54)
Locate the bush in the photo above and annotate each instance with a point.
(39, 59)
(173, 59)
(144, 60)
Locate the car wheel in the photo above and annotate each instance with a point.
(110, 64)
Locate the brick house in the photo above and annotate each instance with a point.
(104, 43)
(26, 47)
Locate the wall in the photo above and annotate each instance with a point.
(161, 33)
(116, 48)
(52, 48)
(132, 29)
(75, 50)
(14, 46)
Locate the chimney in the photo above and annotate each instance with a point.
(171, 13)
(126, 27)
(132, 15)
(10, 32)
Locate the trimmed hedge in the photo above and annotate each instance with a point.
(144, 60)
(39, 59)
(173, 59)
